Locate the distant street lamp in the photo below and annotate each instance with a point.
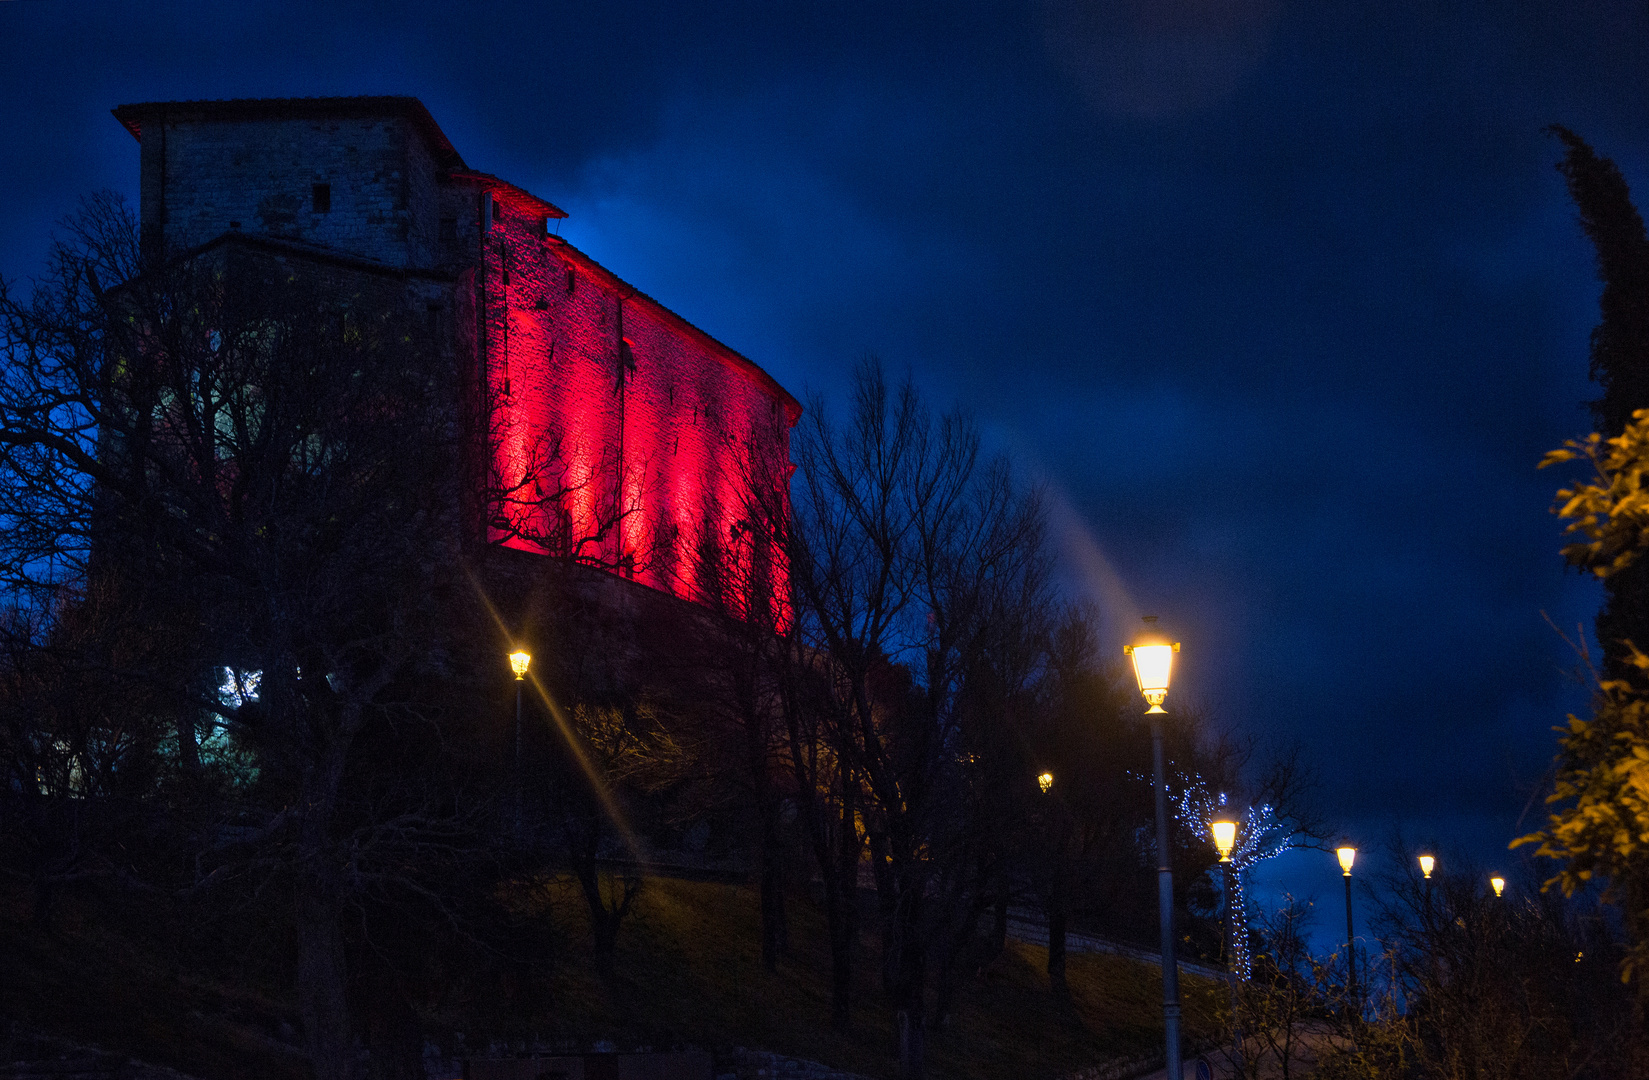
(1499, 884)
(1224, 830)
(1153, 657)
(519, 661)
(1045, 781)
(1347, 855)
(1426, 864)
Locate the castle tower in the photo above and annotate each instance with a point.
(613, 432)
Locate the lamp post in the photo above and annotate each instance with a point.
(1045, 781)
(1427, 864)
(1153, 657)
(1499, 884)
(519, 660)
(1225, 841)
(1347, 855)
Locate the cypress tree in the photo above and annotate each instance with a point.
(1620, 353)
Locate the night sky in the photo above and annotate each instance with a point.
(1284, 300)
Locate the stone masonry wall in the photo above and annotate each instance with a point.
(259, 175)
(650, 416)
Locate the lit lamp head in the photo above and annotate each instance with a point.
(1225, 836)
(1045, 781)
(1426, 864)
(1499, 884)
(1347, 854)
(518, 664)
(1153, 657)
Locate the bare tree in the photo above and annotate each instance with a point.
(266, 467)
(908, 551)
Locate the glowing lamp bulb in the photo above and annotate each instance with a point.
(518, 664)
(1045, 781)
(1347, 855)
(1499, 884)
(1153, 665)
(1426, 864)
(1225, 837)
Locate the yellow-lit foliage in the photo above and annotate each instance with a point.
(1611, 511)
(1600, 830)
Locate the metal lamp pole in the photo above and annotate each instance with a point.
(1165, 909)
(1427, 864)
(1225, 840)
(519, 660)
(1153, 659)
(1347, 855)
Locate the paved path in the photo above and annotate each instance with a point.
(1026, 929)
(1218, 1067)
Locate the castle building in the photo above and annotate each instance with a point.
(615, 433)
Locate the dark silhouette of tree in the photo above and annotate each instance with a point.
(1083, 852)
(1620, 352)
(1620, 342)
(912, 556)
(224, 468)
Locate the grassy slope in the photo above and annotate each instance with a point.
(102, 977)
(689, 971)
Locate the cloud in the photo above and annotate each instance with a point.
(1157, 58)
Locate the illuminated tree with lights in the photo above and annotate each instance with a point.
(1262, 834)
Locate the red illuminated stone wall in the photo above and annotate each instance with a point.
(666, 445)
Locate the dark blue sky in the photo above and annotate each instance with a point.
(1283, 298)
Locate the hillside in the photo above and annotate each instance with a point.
(688, 972)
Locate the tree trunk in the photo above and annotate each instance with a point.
(999, 925)
(887, 908)
(961, 950)
(775, 930)
(842, 908)
(909, 965)
(1056, 949)
(839, 917)
(912, 1044)
(188, 744)
(323, 985)
(603, 927)
(322, 1001)
(605, 918)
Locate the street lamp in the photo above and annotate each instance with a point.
(1045, 781)
(519, 660)
(1427, 864)
(1153, 657)
(1347, 855)
(1224, 830)
(1499, 884)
